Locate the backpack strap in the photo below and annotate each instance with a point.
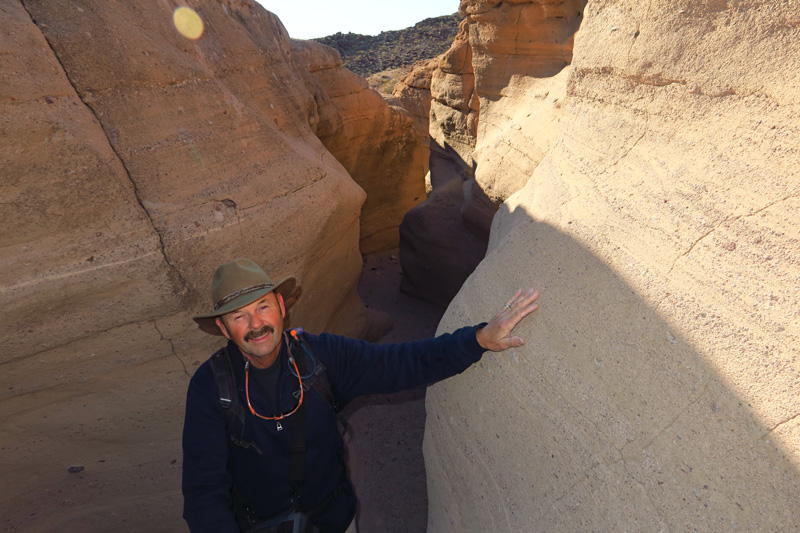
(223, 373)
(228, 397)
(297, 457)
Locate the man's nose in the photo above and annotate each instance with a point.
(256, 321)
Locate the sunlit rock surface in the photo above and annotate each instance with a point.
(495, 109)
(657, 389)
(377, 144)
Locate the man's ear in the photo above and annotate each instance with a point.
(222, 328)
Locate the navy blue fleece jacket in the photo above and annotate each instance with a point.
(213, 465)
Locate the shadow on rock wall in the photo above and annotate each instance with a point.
(439, 248)
(608, 419)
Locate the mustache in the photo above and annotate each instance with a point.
(260, 332)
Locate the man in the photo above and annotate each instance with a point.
(282, 461)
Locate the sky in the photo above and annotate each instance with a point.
(306, 19)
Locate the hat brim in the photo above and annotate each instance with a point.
(208, 322)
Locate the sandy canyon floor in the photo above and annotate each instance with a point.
(386, 431)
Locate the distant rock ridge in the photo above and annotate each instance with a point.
(367, 54)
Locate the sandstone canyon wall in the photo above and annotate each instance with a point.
(377, 144)
(658, 388)
(495, 107)
(135, 161)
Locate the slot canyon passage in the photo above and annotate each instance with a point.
(635, 161)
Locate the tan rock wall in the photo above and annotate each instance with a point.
(413, 93)
(134, 162)
(374, 141)
(520, 55)
(658, 386)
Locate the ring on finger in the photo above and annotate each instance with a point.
(507, 306)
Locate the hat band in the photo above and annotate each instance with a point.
(240, 292)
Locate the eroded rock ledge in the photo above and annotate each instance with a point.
(495, 108)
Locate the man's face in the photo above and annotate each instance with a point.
(256, 329)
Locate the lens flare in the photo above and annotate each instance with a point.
(188, 22)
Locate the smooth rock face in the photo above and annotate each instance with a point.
(657, 389)
(188, 121)
(377, 144)
(80, 253)
(134, 162)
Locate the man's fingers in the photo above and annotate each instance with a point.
(496, 335)
(521, 299)
(510, 303)
(527, 297)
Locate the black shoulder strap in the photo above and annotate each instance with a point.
(226, 383)
(298, 451)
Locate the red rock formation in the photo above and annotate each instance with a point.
(375, 142)
(454, 112)
(437, 249)
(413, 93)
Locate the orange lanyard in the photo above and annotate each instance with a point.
(276, 418)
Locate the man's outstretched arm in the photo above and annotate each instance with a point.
(496, 335)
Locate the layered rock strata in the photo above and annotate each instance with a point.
(657, 387)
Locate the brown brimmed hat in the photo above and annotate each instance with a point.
(239, 283)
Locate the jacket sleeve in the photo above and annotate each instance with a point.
(207, 500)
(358, 367)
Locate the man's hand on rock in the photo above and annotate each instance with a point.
(496, 335)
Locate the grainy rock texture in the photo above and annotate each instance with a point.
(377, 144)
(135, 161)
(658, 386)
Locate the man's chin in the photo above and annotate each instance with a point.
(259, 352)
